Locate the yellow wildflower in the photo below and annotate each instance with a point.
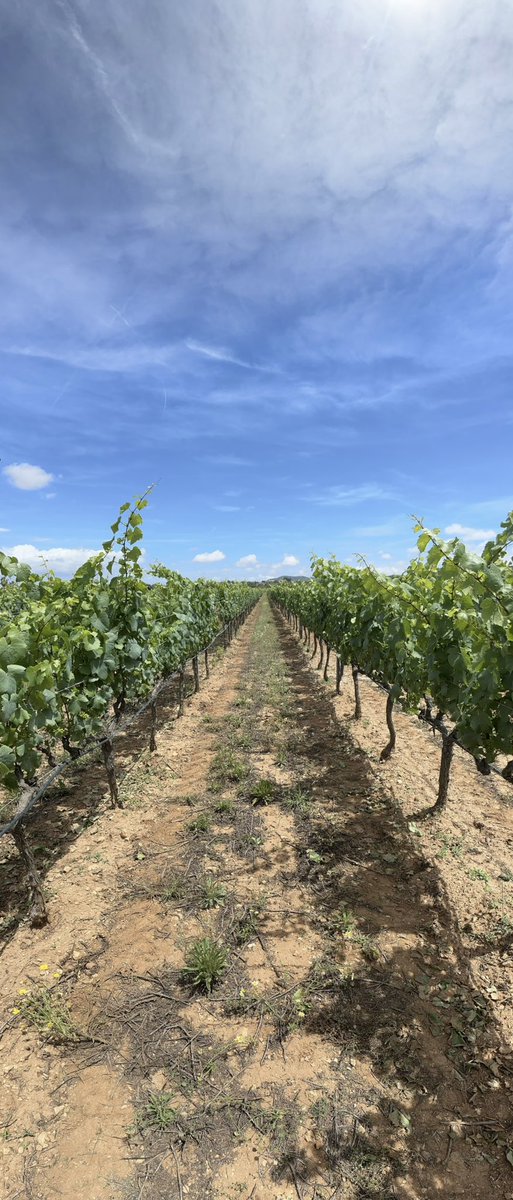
(56, 974)
(44, 967)
(23, 992)
(16, 1012)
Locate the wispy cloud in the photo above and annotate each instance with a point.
(220, 355)
(468, 533)
(340, 496)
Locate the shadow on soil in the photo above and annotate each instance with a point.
(412, 1014)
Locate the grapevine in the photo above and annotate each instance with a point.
(81, 658)
(438, 638)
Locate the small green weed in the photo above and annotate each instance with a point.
(299, 802)
(313, 856)
(201, 824)
(157, 1112)
(503, 929)
(263, 792)
(224, 807)
(450, 845)
(213, 893)
(173, 887)
(368, 947)
(206, 963)
(479, 873)
(343, 921)
(247, 925)
(228, 768)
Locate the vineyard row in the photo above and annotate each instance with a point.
(438, 638)
(82, 659)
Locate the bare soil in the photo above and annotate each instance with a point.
(357, 1043)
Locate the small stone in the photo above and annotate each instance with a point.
(159, 1080)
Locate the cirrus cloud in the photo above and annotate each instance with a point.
(469, 533)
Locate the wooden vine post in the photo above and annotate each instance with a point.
(153, 728)
(110, 768)
(357, 697)
(207, 667)
(195, 671)
(328, 652)
(181, 691)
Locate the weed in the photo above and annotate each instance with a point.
(263, 792)
(299, 802)
(201, 824)
(342, 921)
(479, 873)
(248, 842)
(228, 768)
(157, 1112)
(367, 946)
(500, 932)
(313, 856)
(450, 845)
(248, 923)
(287, 1009)
(174, 887)
(47, 1011)
(206, 963)
(212, 893)
(224, 806)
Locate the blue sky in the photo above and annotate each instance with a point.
(261, 255)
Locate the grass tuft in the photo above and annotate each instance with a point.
(206, 963)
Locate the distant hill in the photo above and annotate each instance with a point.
(288, 579)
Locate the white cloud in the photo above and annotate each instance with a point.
(468, 533)
(58, 558)
(3, 529)
(247, 560)
(209, 556)
(384, 555)
(289, 560)
(27, 477)
(227, 507)
(340, 495)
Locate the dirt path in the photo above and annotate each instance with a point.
(343, 1052)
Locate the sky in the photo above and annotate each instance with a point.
(260, 256)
